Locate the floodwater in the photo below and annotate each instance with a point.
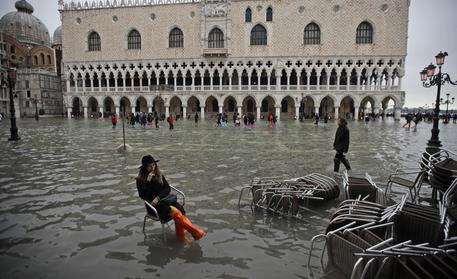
(69, 206)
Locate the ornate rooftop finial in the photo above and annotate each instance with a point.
(24, 6)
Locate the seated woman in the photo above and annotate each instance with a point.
(153, 187)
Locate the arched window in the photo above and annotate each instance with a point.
(216, 38)
(258, 35)
(312, 35)
(364, 33)
(248, 15)
(49, 59)
(134, 40)
(269, 14)
(35, 60)
(94, 42)
(42, 58)
(176, 38)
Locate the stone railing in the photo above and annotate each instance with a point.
(65, 5)
(188, 88)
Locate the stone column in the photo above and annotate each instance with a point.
(68, 85)
(192, 85)
(397, 114)
(117, 110)
(338, 77)
(318, 82)
(184, 112)
(141, 83)
(249, 82)
(337, 113)
(149, 109)
(238, 108)
(100, 109)
(268, 81)
(202, 113)
(211, 83)
(69, 112)
(308, 78)
(258, 112)
(328, 82)
(220, 109)
(239, 82)
(359, 76)
(297, 112)
(133, 109)
(84, 84)
(85, 112)
(175, 79)
(76, 84)
(278, 112)
(278, 82)
(356, 113)
(316, 109)
(230, 81)
(123, 82)
(288, 83)
(220, 82)
(258, 82)
(167, 110)
(91, 84)
(348, 82)
(115, 84)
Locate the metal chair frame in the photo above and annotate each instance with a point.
(155, 217)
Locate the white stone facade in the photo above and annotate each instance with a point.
(285, 76)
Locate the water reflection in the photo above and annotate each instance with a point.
(69, 206)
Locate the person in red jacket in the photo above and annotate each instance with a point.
(170, 121)
(114, 120)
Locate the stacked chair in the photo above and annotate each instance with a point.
(288, 197)
(365, 238)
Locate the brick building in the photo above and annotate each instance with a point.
(26, 44)
(291, 58)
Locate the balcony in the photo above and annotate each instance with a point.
(215, 52)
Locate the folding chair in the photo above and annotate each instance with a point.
(155, 216)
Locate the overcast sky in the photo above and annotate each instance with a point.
(432, 28)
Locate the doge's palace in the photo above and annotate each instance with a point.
(295, 58)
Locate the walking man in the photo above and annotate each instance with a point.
(341, 145)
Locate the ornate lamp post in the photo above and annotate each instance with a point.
(429, 79)
(11, 81)
(447, 102)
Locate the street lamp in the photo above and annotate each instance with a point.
(429, 79)
(447, 102)
(11, 80)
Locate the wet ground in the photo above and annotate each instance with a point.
(69, 206)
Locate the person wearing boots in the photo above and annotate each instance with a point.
(154, 188)
(341, 145)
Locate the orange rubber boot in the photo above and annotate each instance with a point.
(180, 232)
(181, 221)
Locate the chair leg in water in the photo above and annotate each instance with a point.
(182, 223)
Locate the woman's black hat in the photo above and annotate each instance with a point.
(148, 159)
